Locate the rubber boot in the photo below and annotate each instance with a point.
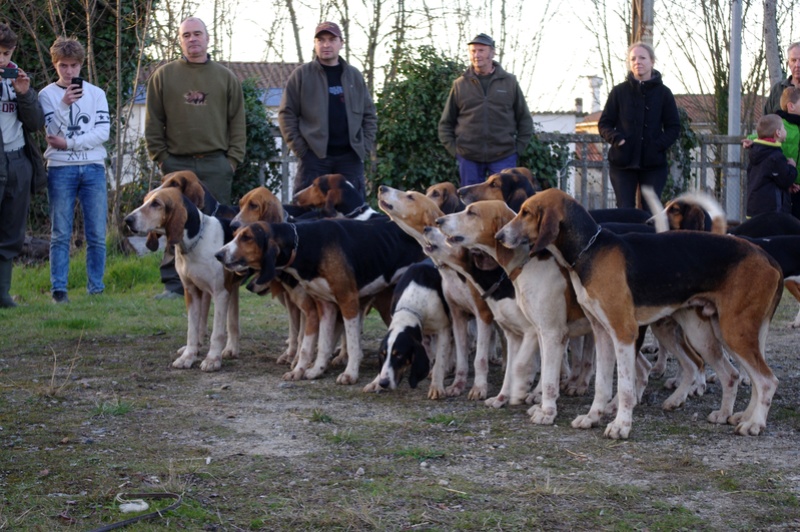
(5, 283)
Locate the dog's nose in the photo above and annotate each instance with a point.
(439, 221)
(220, 256)
(384, 383)
(235, 224)
(128, 220)
(500, 237)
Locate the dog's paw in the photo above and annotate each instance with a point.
(295, 375)
(718, 417)
(542, 416)
(534, 398)
(477, 393)
(314, 372)
(672, 402)
(498, 401)
(749, 428)
(230, 352)
(286, 358)
(617, 430)
(372, 387)
(339, 360)
(436, 392)
(585, 421)
(671, 383)
(347, 379)
(211, 364)
(185, 361)
(455, 389)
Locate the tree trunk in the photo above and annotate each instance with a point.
(773, 53)
(295, 30)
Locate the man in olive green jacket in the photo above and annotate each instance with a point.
(485, 124)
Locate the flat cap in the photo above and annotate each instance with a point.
(482, 38)
(330, 27)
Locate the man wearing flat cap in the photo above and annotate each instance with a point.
(326, 114)
(485, 124)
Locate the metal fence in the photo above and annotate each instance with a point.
(718, 167)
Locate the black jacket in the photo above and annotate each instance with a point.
(769, 177)
(645, 115)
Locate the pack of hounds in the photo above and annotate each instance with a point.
(564, 293)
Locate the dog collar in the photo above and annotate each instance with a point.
(293, 255)
(193, 244)
(357, 211)
(586, 247)
(410, 311)
(492, 289)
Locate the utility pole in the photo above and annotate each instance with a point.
(642, 23)
(733, 182)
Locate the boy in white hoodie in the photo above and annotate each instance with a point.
(77, 124)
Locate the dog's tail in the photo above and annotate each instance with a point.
(659, 218)
(707, 202)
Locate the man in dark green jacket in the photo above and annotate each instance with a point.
(486, 123)
(326, 114)
(773, 103)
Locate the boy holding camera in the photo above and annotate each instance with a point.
(77, 124)
(21, 168)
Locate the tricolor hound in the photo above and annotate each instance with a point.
(629, 280)
(339, 263)
(413, 212)
(196, 238)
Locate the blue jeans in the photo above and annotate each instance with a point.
(472, 172)
(65, 184)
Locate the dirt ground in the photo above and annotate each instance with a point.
(250, 451)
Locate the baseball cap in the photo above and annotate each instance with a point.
(482, 38)
(330, 27)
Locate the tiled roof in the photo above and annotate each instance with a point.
(270, 77)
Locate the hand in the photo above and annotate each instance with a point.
(72, 94)
(22, 83)
(791, 162)
(620, 143)
(747, 143)
(57, 142)
(794, 188)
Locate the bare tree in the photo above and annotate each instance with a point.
(771, 47)
(295, 29)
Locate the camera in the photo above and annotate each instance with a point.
(9, 73)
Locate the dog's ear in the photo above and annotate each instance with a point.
(329, 209)
(193, 189)
(270, 253)
(549, 221)
(517, 198)
(152, 241)
(175, 220)
(420, 366)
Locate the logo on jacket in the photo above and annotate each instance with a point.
(195, 97)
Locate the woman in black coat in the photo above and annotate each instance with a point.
(640, 121)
